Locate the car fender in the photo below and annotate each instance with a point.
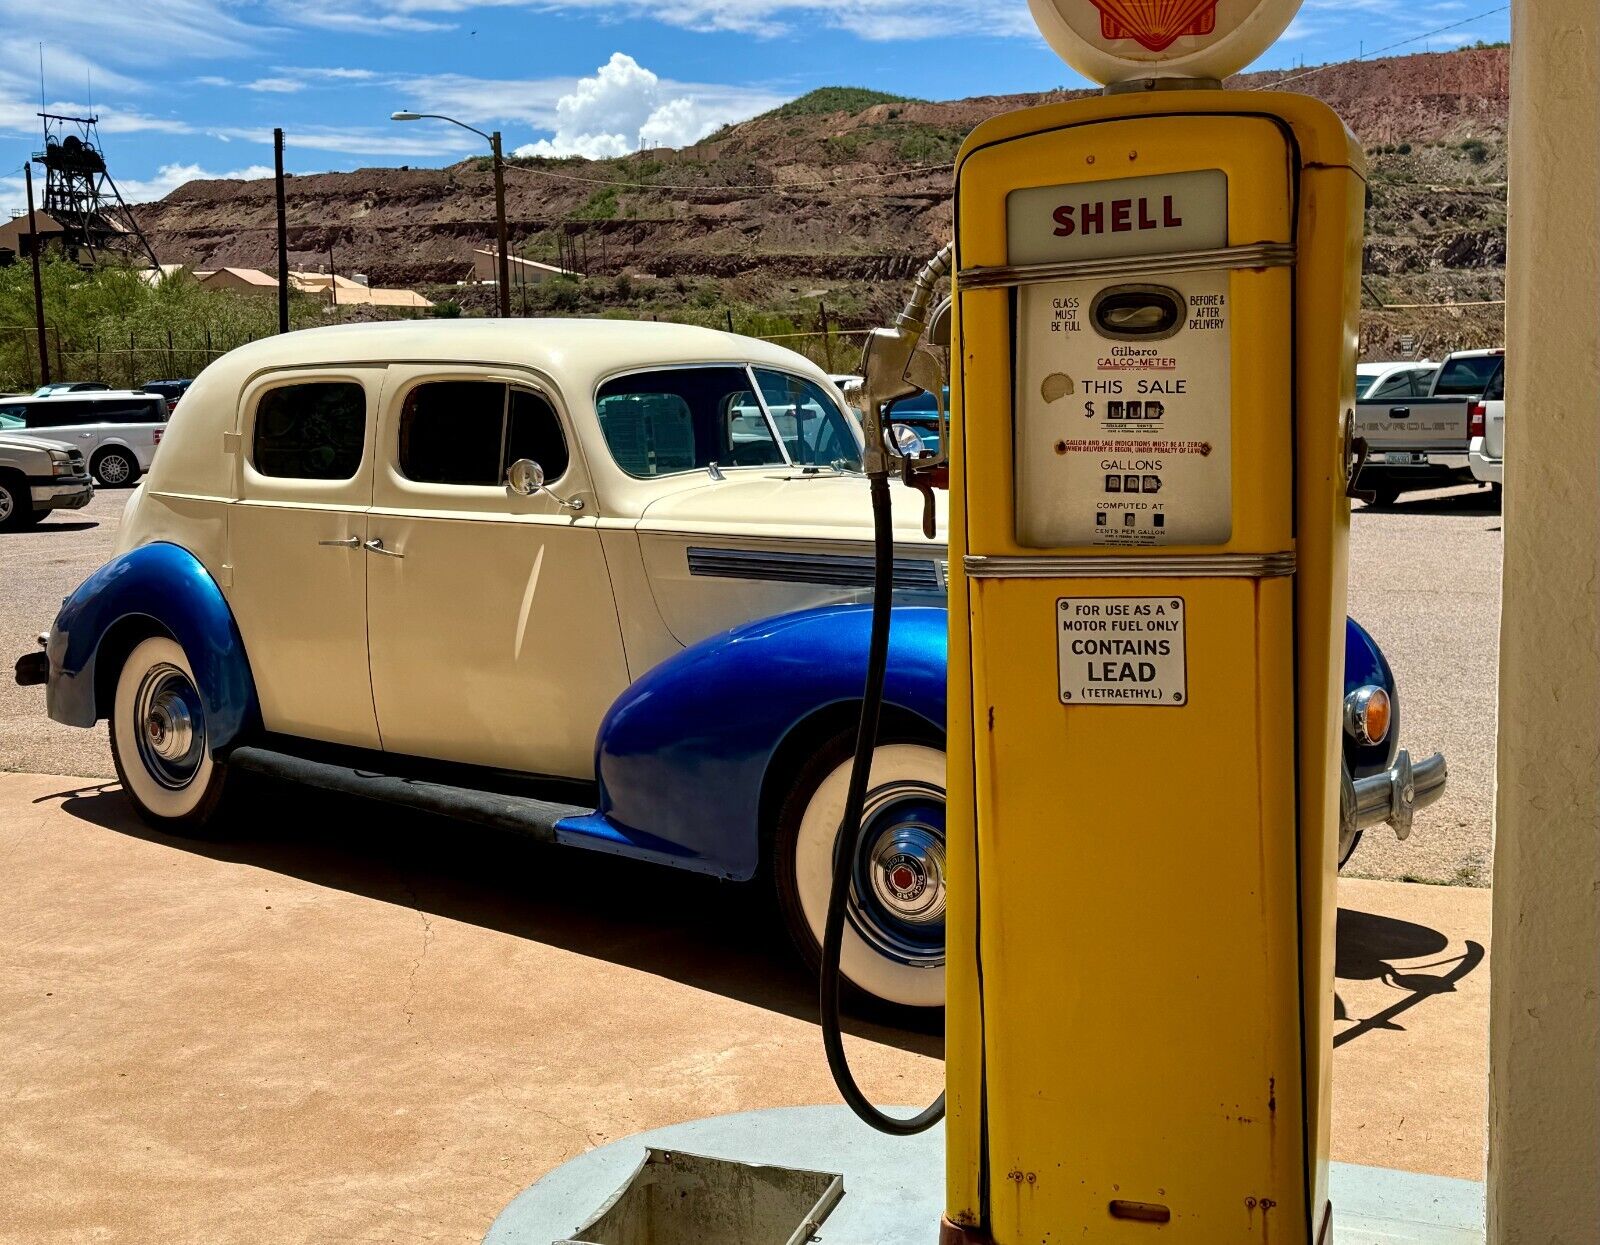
(1365, 664)
(155, 588)
(682, 756)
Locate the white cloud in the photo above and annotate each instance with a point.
(387, 143)
(276, 86)
(13, 194)
(624, 105)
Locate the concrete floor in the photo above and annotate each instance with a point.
(344, 1025)
(1424, 579)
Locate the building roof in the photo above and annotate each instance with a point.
(17, 227)
(516, 261)
(248, 276)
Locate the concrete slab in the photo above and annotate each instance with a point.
(343, 1024)
(894, 1185)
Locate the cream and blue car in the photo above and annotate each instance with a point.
(602, 582)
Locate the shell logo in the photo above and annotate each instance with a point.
(1115, 41)
(1155, 23)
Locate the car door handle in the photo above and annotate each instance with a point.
(349, 542)
(1399, 412)
(86, 436)
(376, 546)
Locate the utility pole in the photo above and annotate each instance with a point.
(283, 234)
(38, 286)
(504, 267)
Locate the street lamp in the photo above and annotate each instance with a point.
(503, 268)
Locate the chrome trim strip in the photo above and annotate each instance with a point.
(1155, 566)
(919, 575)
(1003, 276)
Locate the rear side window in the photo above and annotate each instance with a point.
(469, 432)
(1466, 377)
(133, 411)
(313, 431)
(679, 419)
(1496, 391)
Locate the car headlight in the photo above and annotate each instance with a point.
(60, 463)
(1367, 714)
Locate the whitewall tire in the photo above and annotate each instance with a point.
(160, 742)
(894, 932)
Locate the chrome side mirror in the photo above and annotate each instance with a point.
(526, 477)
(902, 441)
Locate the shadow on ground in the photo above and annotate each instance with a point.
(1368, 948)
(1463, 501)
(716, 936)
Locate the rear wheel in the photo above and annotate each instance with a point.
(160, 742)
(894, 928)
(115, 468)
(1385, 495)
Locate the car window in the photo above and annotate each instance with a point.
(1495, 391)
(534, 432)
(814, 430)
(1466, 377)
(682, 419)
(453, 432)
(132, 411)
(13, 417)
(310, 431)
(60, 414)
(1400, 385)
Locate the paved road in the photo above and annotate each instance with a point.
(1424, 579)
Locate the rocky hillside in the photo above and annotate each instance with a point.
(766, 218)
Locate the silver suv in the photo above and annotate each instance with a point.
(117, 430)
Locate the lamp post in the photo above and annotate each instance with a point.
(503, 266)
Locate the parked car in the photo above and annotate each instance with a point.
(1395, 380)
(69, 386)
(117, 429)
(171, 390)
(572, 577)
(38, 476)
(1487, 426)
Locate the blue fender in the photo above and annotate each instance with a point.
(683, 753)
(165, 585)
(1364, 663)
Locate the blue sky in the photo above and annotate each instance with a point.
(192, 88)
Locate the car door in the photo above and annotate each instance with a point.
(296, 547)
(494, 637)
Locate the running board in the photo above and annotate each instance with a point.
(521, 814)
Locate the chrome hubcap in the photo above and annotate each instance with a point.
(6, 504)
(113, 469)
(171, 726)
(898, 880)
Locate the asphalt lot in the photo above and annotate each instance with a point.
(1424, 580)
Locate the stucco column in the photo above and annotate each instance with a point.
(1544, 1077)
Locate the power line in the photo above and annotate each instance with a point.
(1466, 21)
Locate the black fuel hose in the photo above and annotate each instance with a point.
(850, 832)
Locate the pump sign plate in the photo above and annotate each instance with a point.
(1122, 651)
(1123, 398)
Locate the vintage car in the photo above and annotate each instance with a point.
(603, 582)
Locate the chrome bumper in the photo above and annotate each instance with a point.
(1395, 795)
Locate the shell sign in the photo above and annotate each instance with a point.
(1114, 41)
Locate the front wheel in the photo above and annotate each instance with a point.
(894, 928)
(160, 743)
(16, 504)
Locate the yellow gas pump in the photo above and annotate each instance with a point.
(1156, 296)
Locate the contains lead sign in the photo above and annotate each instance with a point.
(1121, 651)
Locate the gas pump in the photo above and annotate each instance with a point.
(1154, 330)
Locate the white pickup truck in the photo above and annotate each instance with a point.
(1486, 421)
(1421, 438)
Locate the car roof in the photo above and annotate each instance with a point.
(573, 352)
(88, 395)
